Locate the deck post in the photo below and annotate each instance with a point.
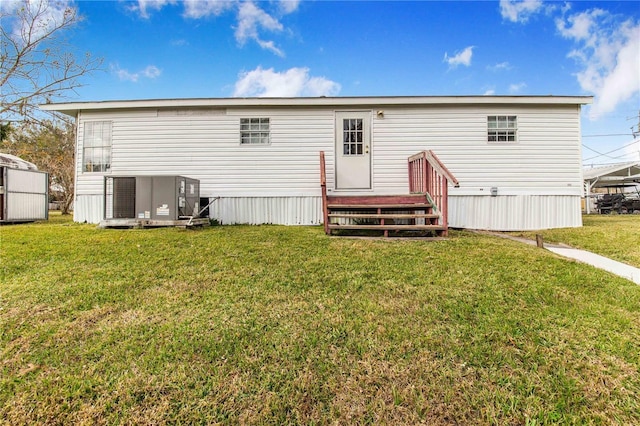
(425, 172)
(323, 185)
(445, 207)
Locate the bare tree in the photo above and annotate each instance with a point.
(37, 65)
(51, 147)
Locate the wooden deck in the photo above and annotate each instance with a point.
(402, 215)
(415, 214)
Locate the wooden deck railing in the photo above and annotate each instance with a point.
(323, 185)
(427, 175)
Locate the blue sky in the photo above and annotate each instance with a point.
(199, 48)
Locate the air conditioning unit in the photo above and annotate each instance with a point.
(151, 198)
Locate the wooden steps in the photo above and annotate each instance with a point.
(401, 214)
(423, 210)
(388, 227)
(383, 216)
(381, 206)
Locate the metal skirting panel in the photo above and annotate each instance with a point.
(22, 206)
(515, 213)
(231, 210)
(88, 208)
(502, 213)
(275, 210)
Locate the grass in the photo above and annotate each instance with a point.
(613, 236)
(283, 325)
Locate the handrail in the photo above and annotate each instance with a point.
(323, 185)
(436, 164)
(427, 175)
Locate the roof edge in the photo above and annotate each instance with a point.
(71, 108)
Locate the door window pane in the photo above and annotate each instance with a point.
(353, 138)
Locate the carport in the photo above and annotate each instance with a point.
(612, 175)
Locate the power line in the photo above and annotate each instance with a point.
(606, 154)
(610, 134)
(597, 152)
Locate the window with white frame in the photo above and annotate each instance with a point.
(254, 131)
(96, 142)
(502, 128)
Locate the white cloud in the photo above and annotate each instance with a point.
(179, 42)
(500, 66)
(608, 52)
(460, 58)
(251, 19)
(489, 92)
(144, 6)
(270, 45)
(517, 87)
(10, 5)
(293, 82)
(196, 9)
(124, 75)
(289, 6)
(49, 15)
(149, 72)
(581, 24)
(519, 11)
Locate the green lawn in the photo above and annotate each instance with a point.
(614, 236)
(283, 325)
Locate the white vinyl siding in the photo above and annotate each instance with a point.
(545, 161)
(206, 148)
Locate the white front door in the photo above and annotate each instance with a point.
(353, 150)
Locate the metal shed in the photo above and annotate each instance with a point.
(24, 191)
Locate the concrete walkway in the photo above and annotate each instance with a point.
(618, 268)
(621, 269)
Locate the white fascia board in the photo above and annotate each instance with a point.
(71, 108)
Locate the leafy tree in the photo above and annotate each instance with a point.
(51, 147)
(5, 129)
(37, 66)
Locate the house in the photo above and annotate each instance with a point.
(517, 159)
(24, 191)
